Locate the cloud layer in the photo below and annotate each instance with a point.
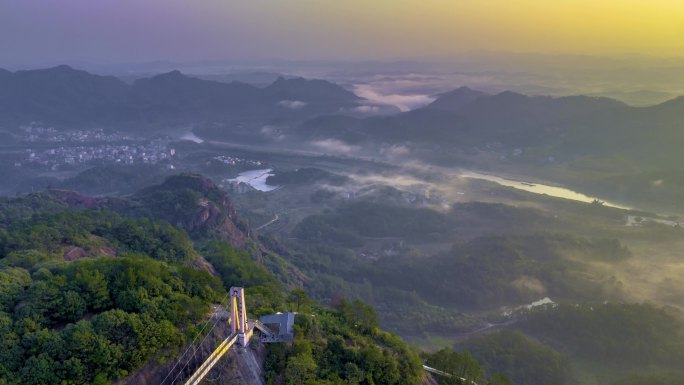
(375, 93)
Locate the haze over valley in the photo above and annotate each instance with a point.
(261, 194)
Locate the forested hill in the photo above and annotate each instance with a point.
(93, 289)
(188, 201)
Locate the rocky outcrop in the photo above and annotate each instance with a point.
(75, 199)
(199, 263)
(191, 202)
(196, 204)
(243, 366)
(99, 248)
(427, 379)
(216, 218)
(73, 253)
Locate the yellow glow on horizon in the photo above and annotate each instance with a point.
(444, 27)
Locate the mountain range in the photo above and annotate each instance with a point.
(66, 97)
(460, 123)
(564, 129)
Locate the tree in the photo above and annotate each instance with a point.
(352, 374)
(300, 299)
(300, 369)
(94, 288)
(12, 283)
(71, 307)
(499, 379)
(39, 370)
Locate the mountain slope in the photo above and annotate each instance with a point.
(195, 204)
(309, 91)
(127, 316)
(456, 99)
(564, 129)
(61, 95)
(65, 97)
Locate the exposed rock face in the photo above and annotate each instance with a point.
(104, 249)
(243, 366)
(427, 379)
(218, 218)
(74, 199)
(197, 205)
(199, 263)
(73, 253)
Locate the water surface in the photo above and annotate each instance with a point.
(539, 188)
(256, 179)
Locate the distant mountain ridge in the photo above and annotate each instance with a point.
(563, 128)
(309, 91)
(60, 94)
(462, 122)
(456, 99)
(68, 97)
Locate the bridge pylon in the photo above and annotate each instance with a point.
(238, 316)
(241, 331)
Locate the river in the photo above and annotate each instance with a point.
(257, 178)
(539, 188)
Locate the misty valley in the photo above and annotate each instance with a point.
(481, 238)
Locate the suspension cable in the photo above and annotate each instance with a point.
(195, 351)
(193, 341)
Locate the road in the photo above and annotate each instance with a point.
(275, 219)
(445, 374)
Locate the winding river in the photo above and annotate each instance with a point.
(538, 188)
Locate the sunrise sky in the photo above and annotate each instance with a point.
(33, 31)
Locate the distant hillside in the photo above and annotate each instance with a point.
(61, 95)
(456, 99)
(467, 117)
(309, 91)
(597, 141)
(66, 97)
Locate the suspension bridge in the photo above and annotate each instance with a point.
(272, 328)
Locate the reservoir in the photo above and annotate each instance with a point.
(256, 179)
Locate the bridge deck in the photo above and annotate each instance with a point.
(213, 358)
(241, 332)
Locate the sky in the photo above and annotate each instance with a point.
(115, 31)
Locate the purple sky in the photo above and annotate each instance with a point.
(108, 31)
